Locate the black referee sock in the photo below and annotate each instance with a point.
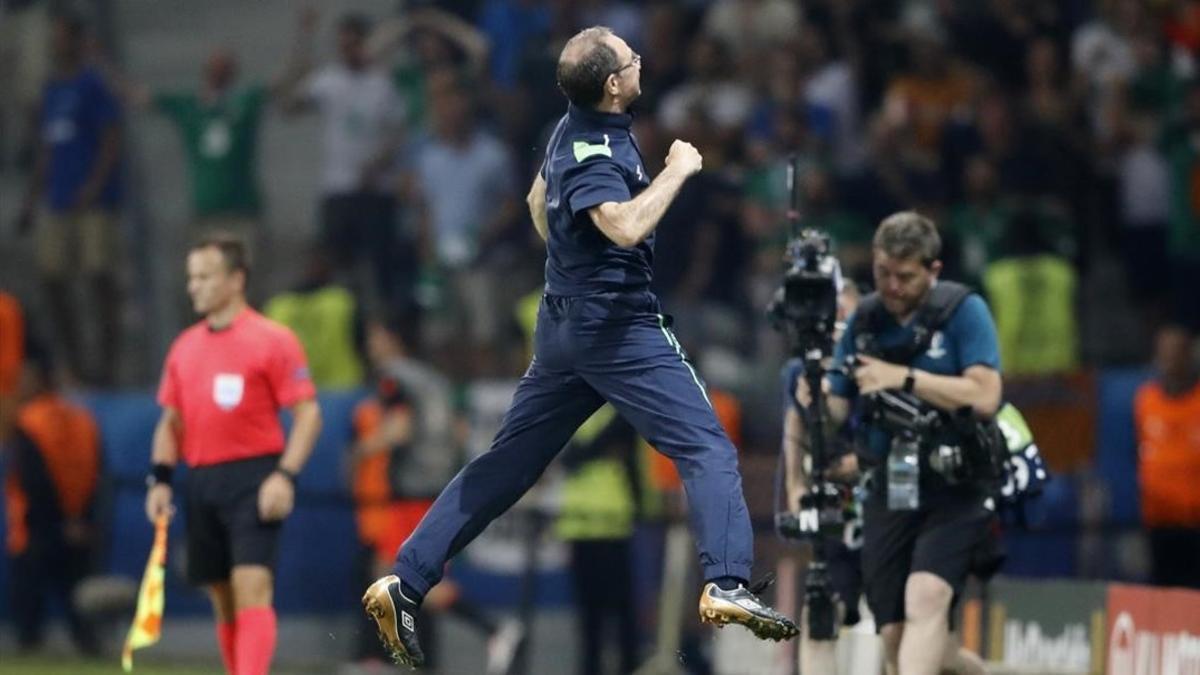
(728, 583)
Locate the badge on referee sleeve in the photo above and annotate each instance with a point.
(147, 621)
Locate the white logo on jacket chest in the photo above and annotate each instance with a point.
(937, 346)
(228, 389)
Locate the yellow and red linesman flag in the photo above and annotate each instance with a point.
(147, 622)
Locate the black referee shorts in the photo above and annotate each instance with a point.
(223, 527)
(946, 539)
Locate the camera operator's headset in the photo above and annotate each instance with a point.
(1023, 473)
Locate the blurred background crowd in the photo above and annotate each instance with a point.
(386, 150)
(377, 155)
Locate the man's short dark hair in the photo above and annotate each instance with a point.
(908, 234)
(232, 247)
(582, 80)
(357, 24)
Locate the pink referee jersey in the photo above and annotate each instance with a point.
(229, 386)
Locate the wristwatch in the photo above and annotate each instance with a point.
(286, 474)
(910, 380)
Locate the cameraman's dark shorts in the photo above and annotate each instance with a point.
(946, 540)
(223, 527)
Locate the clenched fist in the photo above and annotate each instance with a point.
(684, 157)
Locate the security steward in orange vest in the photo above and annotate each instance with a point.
(52, 474)
(1166, 414)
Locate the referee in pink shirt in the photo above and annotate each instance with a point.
(225, 380)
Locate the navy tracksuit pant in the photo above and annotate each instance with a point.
(614, 347)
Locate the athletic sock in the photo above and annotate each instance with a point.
(256, 634)
(227, 640)
(411, 594)
(728, 583)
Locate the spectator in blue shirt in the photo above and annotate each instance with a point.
(75, 193)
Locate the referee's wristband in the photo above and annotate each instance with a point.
(160, 474)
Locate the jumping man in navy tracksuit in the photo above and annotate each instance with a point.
(600, 337)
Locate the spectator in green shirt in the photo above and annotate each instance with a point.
(218, 124)
(219, 128)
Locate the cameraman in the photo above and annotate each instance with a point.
(842, 554)
(916, 557)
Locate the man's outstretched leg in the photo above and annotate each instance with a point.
(660, 394)
(547, 408)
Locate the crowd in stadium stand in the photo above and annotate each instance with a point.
(1049, 140)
